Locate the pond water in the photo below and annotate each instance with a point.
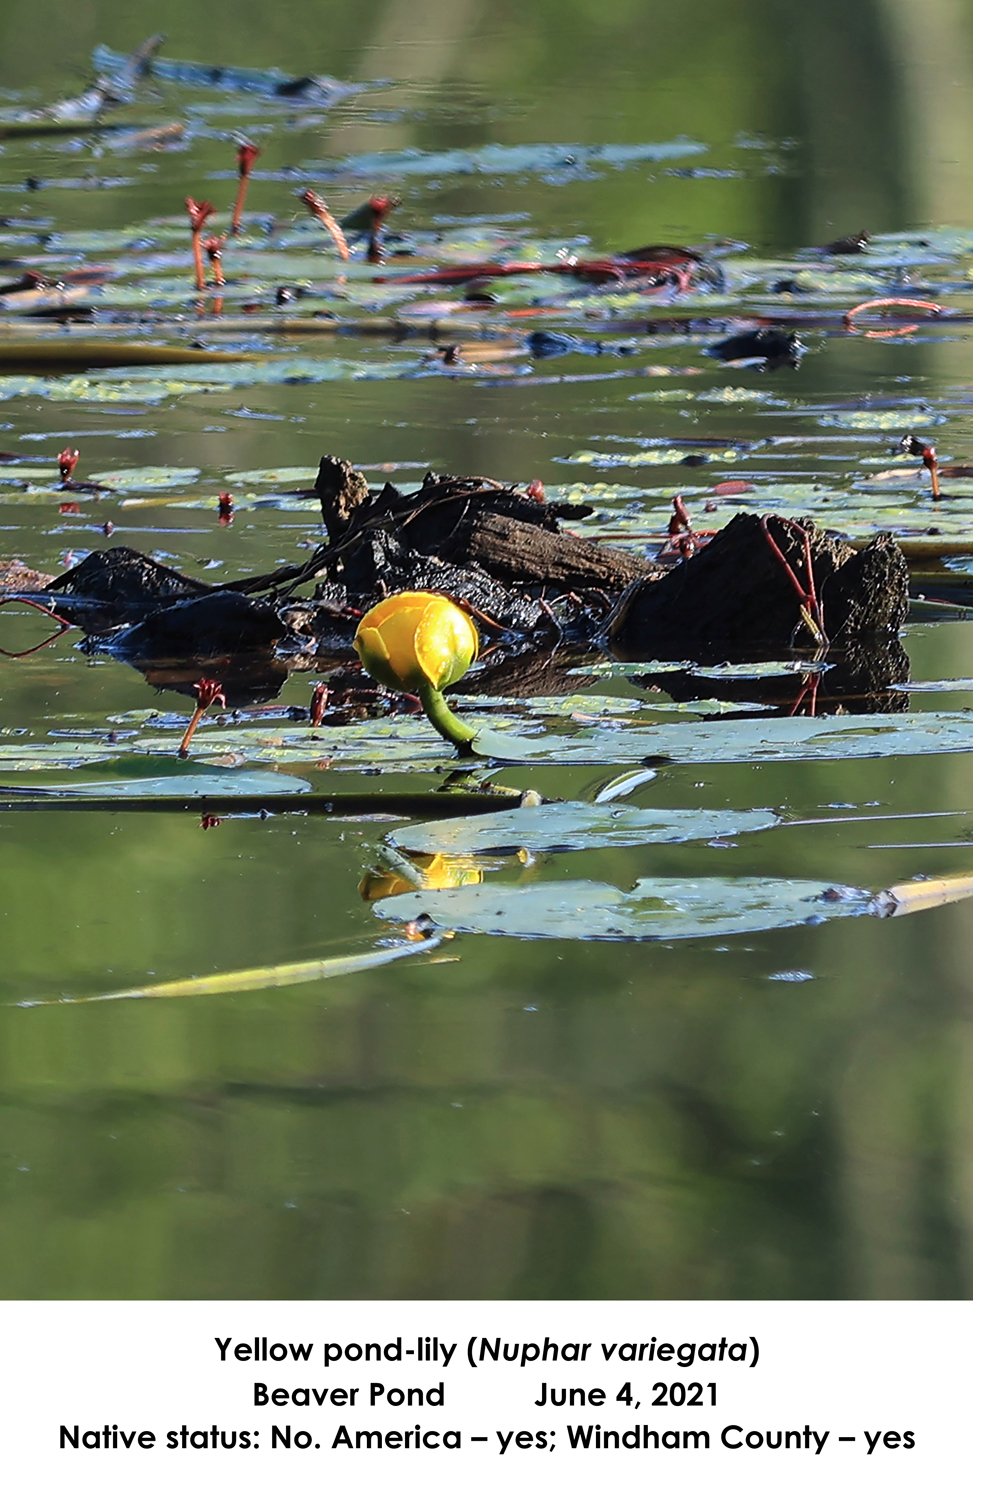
(740, 1114)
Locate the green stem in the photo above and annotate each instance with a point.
(446, 723)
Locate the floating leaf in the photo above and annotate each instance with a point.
(495, 160)
(578, 825)
(753, 669)
(835, 738)
(153, 477)
(410, 743)
(202, 781)
(586, 910)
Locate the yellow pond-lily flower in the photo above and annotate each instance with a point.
(413, 641)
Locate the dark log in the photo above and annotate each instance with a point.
(216, 625)
(735, 592)
(396, 566)
(341, 490)
(518, 552)
(120, 585)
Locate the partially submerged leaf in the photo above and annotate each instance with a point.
(578, 825)
(409, 743)
(202, 781)
(835, 738)
(586, 910)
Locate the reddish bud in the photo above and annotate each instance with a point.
(226, 508)
(67, 459)
(69, 508)
(246, 155)
(209, 820)
(214, 246)
(198, 213)
(536, 490)
(209, 692)
(679, 521)
(383, 205)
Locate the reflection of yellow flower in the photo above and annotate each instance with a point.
(434, 872)
(415, 641)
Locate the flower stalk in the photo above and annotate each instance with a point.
(246, 155)
(319, 209)
(198, 214)
(209, 693)
(420, 643)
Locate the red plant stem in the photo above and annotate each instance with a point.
(240, 204)
(193, 723)
(209, 692)
(811, 606)
(319, 702)
(810, 687)
(213, 249)
(246, 155)
(198, 260)
(676, 268)
(889, 333)
(319, 209)
(43, 609)
(198, 214)
(931, 463)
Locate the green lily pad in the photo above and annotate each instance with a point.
(653, 910)
(753, 669)
(577, 825)
(836, 738)
(410, 743)
(202, 781)
(496, 160)
(154, 477)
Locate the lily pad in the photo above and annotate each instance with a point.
(410, 743)
(836, 738)
(538, 159)
(653, 910)
(202, 781)
(578, 825)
